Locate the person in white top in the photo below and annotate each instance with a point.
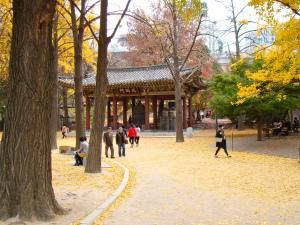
(83, 150)
(64, 131)
(137, 137)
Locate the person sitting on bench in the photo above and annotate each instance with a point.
(81, 152)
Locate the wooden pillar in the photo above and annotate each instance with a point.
(184, 113)
(154, 108)
(124, 110)
(147, 112)
(87, 112)
(108, 112)
(115, 112)
(191, 122)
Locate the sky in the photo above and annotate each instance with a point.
(216, 12)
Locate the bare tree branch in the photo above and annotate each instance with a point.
(288, 5)
(120, 20)
(193, 43)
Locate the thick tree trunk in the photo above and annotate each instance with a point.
(25, 154)
(94, 156)
(78, 33)
(54, 81)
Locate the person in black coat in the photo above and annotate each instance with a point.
(121, 141)
(221, 141)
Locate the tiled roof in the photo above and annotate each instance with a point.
(128, 76)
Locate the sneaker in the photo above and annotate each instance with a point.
(216, 156)
(112, 157)
(229, 156)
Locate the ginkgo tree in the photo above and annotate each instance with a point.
(277, 81)
(5, 39)
(281, 68)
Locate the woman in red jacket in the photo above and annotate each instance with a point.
(131, 135)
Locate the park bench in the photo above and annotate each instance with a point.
(66, 149)
(267, 132)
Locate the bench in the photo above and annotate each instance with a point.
(268, 132)
(66, 149)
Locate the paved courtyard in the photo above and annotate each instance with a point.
(183, 184)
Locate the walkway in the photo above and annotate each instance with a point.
(282, 146)
(183, 184)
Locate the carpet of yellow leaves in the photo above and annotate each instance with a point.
(182, 183)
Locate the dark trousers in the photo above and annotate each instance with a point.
(131, 140)
(64, 134)
(137, 139)
(121, 150)
(222, 145)
(225, 150)
(78, 159)
(111, 150)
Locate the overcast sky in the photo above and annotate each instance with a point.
(216, 12)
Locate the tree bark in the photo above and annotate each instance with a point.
(94, 157)
(54, 81)
(78, 33)
(179, 113)
(65, 102)
(176, 74)
(236, 32)
(25, 153)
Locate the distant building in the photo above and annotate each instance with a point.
(265, 38)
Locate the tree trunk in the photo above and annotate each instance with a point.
(78, 33)
(25, 154)
(236, 32)
(176, 74)
(54, 81)
(179, 113)
(259, 129)
(65, 102)
(80, 131)
(94, 156)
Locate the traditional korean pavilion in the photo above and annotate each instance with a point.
(145, 90)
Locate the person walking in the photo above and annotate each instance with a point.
(221, 141)
(121, 140)
(108, 140)
(82, 151)
(131, 135)
(137, 136)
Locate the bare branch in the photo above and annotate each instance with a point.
(246, 32)
(193, 43)
(120, 20)
(82, 13)
(91, 7)
(288, 5)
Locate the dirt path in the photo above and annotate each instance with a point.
(183, 184)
